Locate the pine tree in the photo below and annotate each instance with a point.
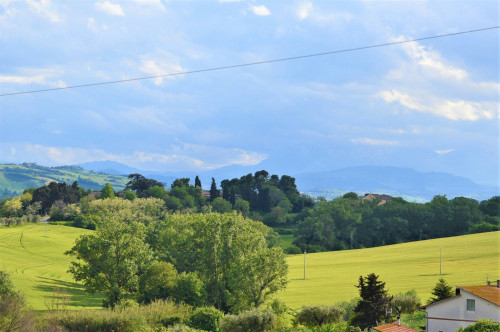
(371, 309)
(441, 291)
(214, 192)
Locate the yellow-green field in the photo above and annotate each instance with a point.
(37, 265)
(331, 276)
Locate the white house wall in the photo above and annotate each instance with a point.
(449, 315)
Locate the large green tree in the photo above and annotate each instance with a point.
(231, 255)
(111, 259)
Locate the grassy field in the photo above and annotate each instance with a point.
(331, 276)
(37, 265)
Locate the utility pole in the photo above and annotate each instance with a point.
(440, 257)
(305, 252)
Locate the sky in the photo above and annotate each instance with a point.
(431, 105)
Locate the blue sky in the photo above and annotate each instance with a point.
(431, 105)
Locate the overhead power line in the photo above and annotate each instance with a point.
(252, 63)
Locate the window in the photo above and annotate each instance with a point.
(471, 305)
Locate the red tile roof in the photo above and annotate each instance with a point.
(489, 293)
(393, 328)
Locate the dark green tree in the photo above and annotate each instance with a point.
(371, 309)
(441, 291)
(214, 192)
(197, 182)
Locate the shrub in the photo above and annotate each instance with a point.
(319, 315)
(348, 307)
(293, 250)
(251, 320)
(190, 289)
(407, 303)
(482, 325)
(206, 318)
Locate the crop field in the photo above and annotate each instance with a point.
(37, 264)
(331, 276)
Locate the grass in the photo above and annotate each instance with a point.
(286, 241)
(38, 266)
(331, 276)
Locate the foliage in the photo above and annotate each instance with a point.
(206, 319)
(319, 315)
(110, 260)
(141, 184)
(230, 254)
(220, 205)
(157, 282)
(371, 309)
(107, 192)
(406, 303)
(242, 206)
(348, 307)
(190, 289)
(251, 320)
(14, 316)
(54, 191)
(482, 325)
(152, 317)
(441, 291)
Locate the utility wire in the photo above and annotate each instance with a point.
(252, 63)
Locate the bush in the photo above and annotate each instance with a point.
(348, 307)
(206, 318)
(293, 250)
(407, 303)
(190, 289)
(150, 317)
(482, 325)
(319, 315)
(251, 320)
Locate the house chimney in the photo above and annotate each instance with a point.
(498, 283)
(488, 283)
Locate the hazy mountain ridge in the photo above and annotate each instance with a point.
(396, 181)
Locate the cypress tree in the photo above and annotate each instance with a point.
(197, 182)
(214, 192)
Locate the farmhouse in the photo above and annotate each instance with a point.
(381, 198)
(470, 304)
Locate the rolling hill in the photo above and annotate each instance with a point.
(38, 265)
(15, 178)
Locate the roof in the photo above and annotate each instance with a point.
(393, 328)
(489, 293)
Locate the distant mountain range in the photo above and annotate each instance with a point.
(396, 181)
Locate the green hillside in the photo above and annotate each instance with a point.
(37, 265)
(331, 276)
(15, 178)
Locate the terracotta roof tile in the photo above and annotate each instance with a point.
(489, 293)
(394, 328)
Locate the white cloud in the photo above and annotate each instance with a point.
(35, 76)
(181, 158)
(261, 10)
(44, 8)
(161, 63)
(374, 141)
(444, 151)
(453, 110)
(306, 10)
(109, 8)
(91, 25)
(430, 61)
